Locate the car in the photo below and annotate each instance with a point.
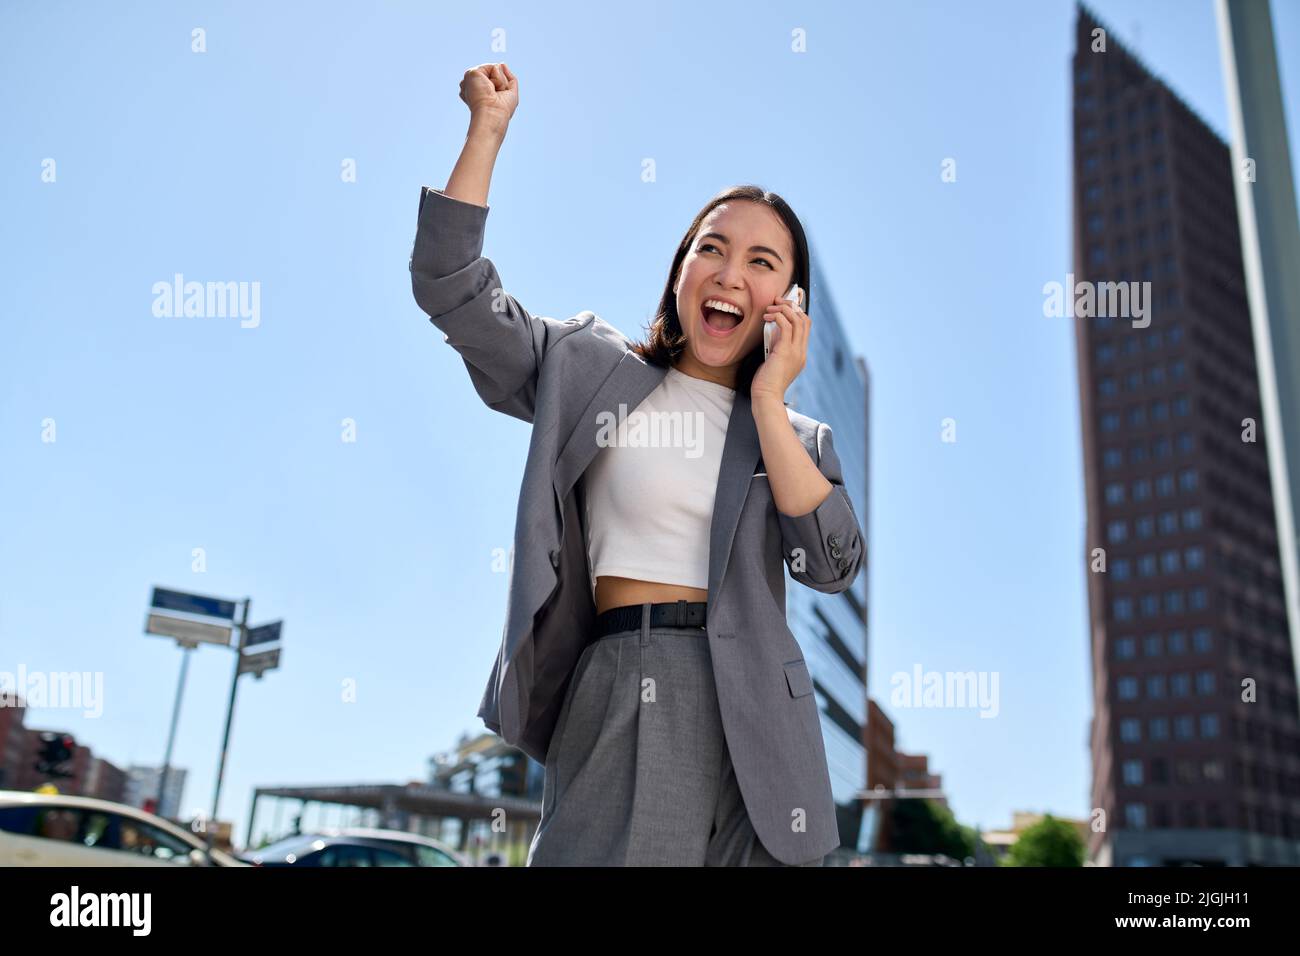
(355, 846)
(48, 829)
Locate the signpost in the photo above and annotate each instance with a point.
(191, 630)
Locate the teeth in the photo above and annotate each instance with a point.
(722, 307)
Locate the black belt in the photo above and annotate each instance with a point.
(668, 614)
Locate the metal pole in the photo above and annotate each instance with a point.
(230, 713)
(171, 734)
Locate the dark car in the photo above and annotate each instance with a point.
(342, 849)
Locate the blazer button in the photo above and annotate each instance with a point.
(836, 552)
(843, 564)
(555, 557)
(834, 540)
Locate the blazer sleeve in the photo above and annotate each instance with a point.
(825, 545)
(501, 344)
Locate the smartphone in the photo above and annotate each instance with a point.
(795, 295)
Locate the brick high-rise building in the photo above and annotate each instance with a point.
(1195, 738)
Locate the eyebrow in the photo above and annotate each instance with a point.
(718, 235)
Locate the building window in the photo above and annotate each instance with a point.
(1194, 558)
(1191, 519)
(1146, 565)
(1169, 561)
(1110, 422)
(1115, 493)
(1168, 522)
(1165, 486)
(1137, 454)
(1145, 526)
(1135, 817)
(1151, 645)
(1096, 223)
(1159, 411)
(1180, 685)
(1141, 489)
(1107, 387)
(1127, 688)
(1125, 647)
(1105, 353)
(1117, 531)
(1130, 730)
(1179, 367)
(1112, 458)
(1201, 640)
(1123, 609)
(1173, 602)
(1210, 730)
(1162, 447)
(1177, 643)
(1205, 683)
(1120, 569)
(1159, 728)
(1150, 605)
(1133, 773)
(1198, 599)
(1137, 416)
(1156, 686)
(1185, 442)
(1097, 255)
(1093, 193)
(1184, 729)
(1187, 479)
(1156, 375)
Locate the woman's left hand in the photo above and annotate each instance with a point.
(789, 351)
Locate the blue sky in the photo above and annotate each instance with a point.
(183, 433)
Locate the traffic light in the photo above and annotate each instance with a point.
(56, 750)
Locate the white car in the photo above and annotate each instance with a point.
(54, 829)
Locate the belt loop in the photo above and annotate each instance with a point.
(681, 613)
(645, 624)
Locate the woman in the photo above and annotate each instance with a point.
(646, 660)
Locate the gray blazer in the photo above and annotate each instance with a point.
(560, 375)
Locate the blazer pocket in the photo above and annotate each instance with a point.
(797, 678)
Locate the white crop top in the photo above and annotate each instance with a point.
(649, 490)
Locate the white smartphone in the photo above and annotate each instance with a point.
(795, 296)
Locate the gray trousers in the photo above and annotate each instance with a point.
(637, 771)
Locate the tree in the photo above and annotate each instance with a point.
(924, 826)
(1049, 842)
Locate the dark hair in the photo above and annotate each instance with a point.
(665, 340)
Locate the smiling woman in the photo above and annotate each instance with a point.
(646, 643)
(743, 248)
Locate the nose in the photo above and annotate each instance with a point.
(729, 276)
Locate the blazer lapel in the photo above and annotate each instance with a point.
(740, 453)
(630, 382)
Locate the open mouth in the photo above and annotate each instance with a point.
(718, 322)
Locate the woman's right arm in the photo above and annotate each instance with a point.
(501, 344)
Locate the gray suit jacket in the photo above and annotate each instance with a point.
(560, 375)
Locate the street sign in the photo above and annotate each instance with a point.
(167, 600)
(263, 634)
(256, 663)
(187, 631)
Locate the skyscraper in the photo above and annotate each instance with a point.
(832, 628)
(1195, 739)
